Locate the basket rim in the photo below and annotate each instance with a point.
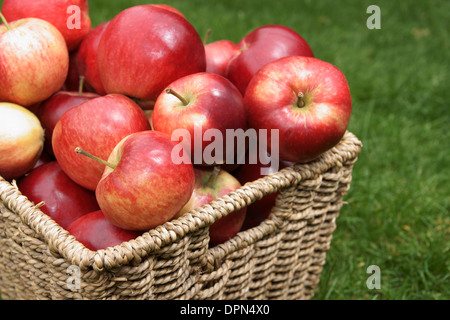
(61, 242)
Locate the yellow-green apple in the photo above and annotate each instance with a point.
(86, 59)
(308, 100)
(21, 140)
(250, 171)
(218, 54)
(144, 48)
(96, 125)
(70, 17)
(211, 184)
(262, 45)
(34, 61)
(96, 232)
(196, 106)
(64, 200)
(51, 110)
(141, 187)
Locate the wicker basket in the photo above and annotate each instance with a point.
(282, 258)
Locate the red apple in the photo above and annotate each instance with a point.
(211, 184)
(96, 125)
(251, 171)
(86, 60)
(54, 107)
(141, 186)
(70, 17)
(308, 100)
(96, 232)
(34, 61)
(144, 48)
(199, 103)
(21, 140)
(218, 54)
(262, 45)
(65, 200)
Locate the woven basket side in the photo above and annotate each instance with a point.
(287, 259)
(173, 261)
(335, 185)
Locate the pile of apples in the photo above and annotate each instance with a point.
(87, 114)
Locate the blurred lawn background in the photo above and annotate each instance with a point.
(397, 216)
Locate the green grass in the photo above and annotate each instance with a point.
(397, 216)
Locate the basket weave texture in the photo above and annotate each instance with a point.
(282, 258)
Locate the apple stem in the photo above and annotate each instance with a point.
(87, 154)
(205, 40)
(213, 177)
(2, 17)
(300, 101)
(176, 94)
(81, 85)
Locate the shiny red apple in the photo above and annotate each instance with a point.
(308, 100)
(261, 46)
(96, 232)
(218, 54)
(51, 110)
(96, 125)
(144, 48)
(70, 17)
(141, 186)
(34, 61)
(86, 59)
(211, 184)
(196, 104)
(64, 200)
